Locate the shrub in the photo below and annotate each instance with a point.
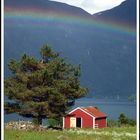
(35, 121)
(55, 122)
(112, 123)
(131, 122)
(123, 120)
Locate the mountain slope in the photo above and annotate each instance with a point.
(107, 57)
(125, 13)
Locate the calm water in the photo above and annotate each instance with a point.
(112, 108)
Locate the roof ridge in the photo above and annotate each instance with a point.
(87, 109)
(91, 110)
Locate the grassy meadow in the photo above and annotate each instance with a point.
(116, 133)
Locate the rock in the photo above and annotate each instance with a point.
(23, 125)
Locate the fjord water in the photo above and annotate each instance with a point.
(111, 107)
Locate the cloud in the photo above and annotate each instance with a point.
(92, 6)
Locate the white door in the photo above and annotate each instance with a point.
(72, 122)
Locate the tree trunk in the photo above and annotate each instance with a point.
(39, 121)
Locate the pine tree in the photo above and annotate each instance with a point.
(44, 88)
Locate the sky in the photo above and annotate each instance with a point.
(92, 6)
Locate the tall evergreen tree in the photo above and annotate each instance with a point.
(44, 88)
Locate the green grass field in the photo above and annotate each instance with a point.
(116, 133)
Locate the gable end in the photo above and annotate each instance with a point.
(82, 111)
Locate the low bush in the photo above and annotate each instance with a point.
(112, 123)
(55, 123)
(122, 121)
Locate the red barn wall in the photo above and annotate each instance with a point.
(67, 122)
(101, 122)
(87, 121)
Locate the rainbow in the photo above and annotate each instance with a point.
(37, 15)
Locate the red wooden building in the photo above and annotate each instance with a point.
(85, 117)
